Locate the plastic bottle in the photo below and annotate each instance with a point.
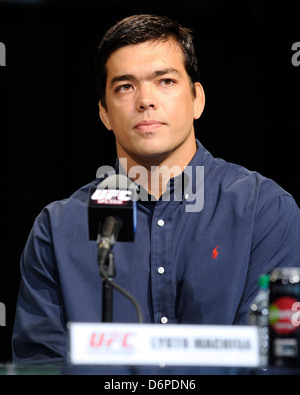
(259, 316)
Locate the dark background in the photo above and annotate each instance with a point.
(52, 141)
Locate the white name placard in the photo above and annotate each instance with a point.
(162, 345)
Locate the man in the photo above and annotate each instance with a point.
(190, 262)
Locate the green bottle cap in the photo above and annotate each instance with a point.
(264, 281)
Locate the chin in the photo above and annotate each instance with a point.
(152, 157)
(152, 149)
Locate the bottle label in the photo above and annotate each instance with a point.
(283, 315)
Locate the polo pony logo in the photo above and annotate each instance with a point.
(215, 253)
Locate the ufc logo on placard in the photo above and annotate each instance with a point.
(112, 340)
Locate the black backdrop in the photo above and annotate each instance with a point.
(52, 141)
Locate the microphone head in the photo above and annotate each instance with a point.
(115, 196)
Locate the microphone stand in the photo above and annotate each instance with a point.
(107, 289)
(108, 272)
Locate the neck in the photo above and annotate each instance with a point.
(155, 173)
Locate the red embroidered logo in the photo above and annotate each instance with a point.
(215, 253)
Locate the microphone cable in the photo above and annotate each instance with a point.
(123, 291)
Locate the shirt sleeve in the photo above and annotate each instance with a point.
(275, 243)
(39, 330)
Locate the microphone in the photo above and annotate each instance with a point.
(112, 216)
(112, 211)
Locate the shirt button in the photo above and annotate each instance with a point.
(161, 222)
(164, 320)
(186, 196)
(161, 270)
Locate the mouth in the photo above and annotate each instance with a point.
(149, 125)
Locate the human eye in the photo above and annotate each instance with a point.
(123, 88)
(167, 82)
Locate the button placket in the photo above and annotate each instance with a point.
(161, 273)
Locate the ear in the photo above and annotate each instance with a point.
(199, 101)
(104, 116)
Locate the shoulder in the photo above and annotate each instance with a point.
(238, 179)
(273, 207)
(66, 209)
(248, 194)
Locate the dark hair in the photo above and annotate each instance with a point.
(138, 29)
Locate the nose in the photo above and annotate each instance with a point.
(146, 99)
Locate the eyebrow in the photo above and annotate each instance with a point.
(153, 75)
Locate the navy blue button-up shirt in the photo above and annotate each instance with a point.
(184, 266)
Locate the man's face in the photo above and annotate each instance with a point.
(149, 101)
